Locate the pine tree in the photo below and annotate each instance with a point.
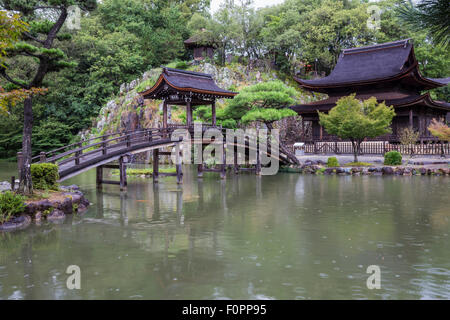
(45, 20)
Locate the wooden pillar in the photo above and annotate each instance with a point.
(188, 114)
(178, 164)
(78, 153)
(213, 113)
(236, 165)
(164, 114)
(411, 118)
(200, 170)
(321, 132)
(258, 162)
(122, 173)
(42, 157)
(155, 165)
(99, 178)
(223, 166)
(13, 183)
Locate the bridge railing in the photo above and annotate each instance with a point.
(78, 150)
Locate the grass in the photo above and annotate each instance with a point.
(146, 172)
(358, 164)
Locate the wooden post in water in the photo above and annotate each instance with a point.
(258, 161)
(99, 176)
(200, 170)
(155, 165)
(235, 155)
(178, 164)
(223, 166)
(122, 173)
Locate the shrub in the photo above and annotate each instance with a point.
(332, 162)
(392, 158)
(45, 176)
(10, 204)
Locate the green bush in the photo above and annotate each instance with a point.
(10, 204)
(332, 162)
(392, 158)
(45, 176)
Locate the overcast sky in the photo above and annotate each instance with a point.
(257, 3)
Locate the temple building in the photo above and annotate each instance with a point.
(202, 48)
(180, 87)
(387, 71)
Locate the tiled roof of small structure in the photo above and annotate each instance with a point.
(188, 81)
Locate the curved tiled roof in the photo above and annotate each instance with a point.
(187, 81)
(365, 65)
(395, 99)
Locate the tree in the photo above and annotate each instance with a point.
(357, 120)
(11, 27)
(39, 47)
(439, 129)
(264, 102)
(432, 15)
(408, 137)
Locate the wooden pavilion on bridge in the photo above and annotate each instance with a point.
(192, 89)
(389, 72)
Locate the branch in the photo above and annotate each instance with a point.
(55, 29)
(7, 77)
(33, 38)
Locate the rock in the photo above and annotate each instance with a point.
(16, 223)
(423, 171)
(407, 171)
(38, 216)
(387, 170)
(398, 171)
(66, 206)
(5, 186)
(133, 84)
(56, 215)
(329, 171)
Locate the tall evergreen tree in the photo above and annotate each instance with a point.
(46, 18)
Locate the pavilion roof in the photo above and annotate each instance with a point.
(202, 39)
(375, 64)
(196, 85)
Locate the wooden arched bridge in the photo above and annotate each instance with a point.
(100, 152)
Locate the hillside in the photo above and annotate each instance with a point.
(128, 111)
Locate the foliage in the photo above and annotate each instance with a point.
(332, 162)
(265, 102)
(10, 205)
(358, 164)
(45, 176)
(439, 129)
(393, 158)
(432, 15)
(11, 27)
(408, 137)
(356, 120)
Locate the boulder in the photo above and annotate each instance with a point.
(5, 186)
(56, 215)
(387, 170)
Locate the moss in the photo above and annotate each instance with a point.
(358, 164)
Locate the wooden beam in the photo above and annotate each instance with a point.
(213, 113)
(410, 118)
(155, 165)
(122, 173)
(178, 164)
(165, 114)
(99, 176)
(188, 113)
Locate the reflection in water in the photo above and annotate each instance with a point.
(247, 237)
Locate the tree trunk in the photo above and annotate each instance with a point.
(355, 145)
(26, 185)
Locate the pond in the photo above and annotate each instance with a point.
(287, 236)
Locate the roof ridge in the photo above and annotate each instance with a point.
(379, 46)
(192, 73)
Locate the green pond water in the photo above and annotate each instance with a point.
(287, 236)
